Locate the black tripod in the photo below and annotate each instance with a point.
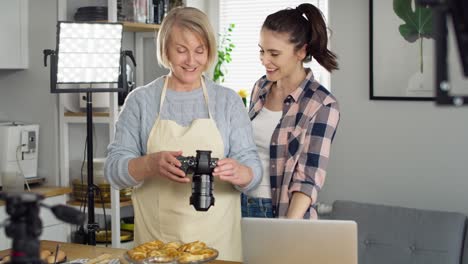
(24, 225)
(458, 10)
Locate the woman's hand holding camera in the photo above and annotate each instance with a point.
(165, 164)
(161, 164)
(232, 171)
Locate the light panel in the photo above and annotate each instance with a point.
(89, 52)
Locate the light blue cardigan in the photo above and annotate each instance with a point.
(141, 109)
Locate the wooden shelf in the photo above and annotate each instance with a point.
(99, 205)
(80, 117)
(140, 27)
(81, 114)
(136, 27)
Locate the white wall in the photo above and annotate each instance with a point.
(210, 7)
(399, 153)
(25, 94)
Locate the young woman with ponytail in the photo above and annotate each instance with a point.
(294, 117)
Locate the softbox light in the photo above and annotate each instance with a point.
(88, 58)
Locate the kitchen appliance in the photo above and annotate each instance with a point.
(19, 148)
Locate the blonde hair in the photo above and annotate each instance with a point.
(187, 18)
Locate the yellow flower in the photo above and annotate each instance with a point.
(243, 93)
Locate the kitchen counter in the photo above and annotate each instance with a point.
(76, 251)
(48, 191)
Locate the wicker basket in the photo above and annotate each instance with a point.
(79, 192)
(125, 236)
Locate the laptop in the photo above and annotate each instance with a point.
(281, 241)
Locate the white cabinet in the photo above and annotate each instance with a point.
(14, 34)
(53, 229)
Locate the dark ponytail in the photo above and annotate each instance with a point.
(306, 26)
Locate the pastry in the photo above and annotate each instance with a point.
(190, 258)
(5, 259)
(141, 252)
(137, 255)
(174, 244)
(49, 256)
(157, 251)
(192, 246)
(44, 254)
(202, 254)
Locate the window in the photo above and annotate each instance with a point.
(248, 16)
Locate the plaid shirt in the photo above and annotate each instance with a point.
(300, 144)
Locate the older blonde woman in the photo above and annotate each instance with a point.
(176, 115)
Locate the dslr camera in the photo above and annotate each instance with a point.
(202, 167)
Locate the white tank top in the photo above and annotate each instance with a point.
(263, 125)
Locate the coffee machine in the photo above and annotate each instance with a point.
(19, 148)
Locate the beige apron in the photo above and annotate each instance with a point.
(162, 209)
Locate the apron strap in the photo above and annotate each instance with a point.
(205, 93)
(163, 95)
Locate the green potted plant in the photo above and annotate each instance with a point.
(225, 47)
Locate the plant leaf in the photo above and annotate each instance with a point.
(405, 30)
(418, 22)
(225, 48)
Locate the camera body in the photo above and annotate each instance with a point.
(202, 167)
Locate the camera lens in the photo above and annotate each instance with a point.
(202, 192)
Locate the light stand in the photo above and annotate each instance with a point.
(458, 9)
(87, 65)
(92, 225)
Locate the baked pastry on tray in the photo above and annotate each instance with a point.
(199, 255)
(159, 252)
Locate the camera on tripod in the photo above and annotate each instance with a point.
(24, 225)
(202, 167)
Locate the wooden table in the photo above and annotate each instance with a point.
(76, 251)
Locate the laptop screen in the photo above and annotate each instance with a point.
(280, 241)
